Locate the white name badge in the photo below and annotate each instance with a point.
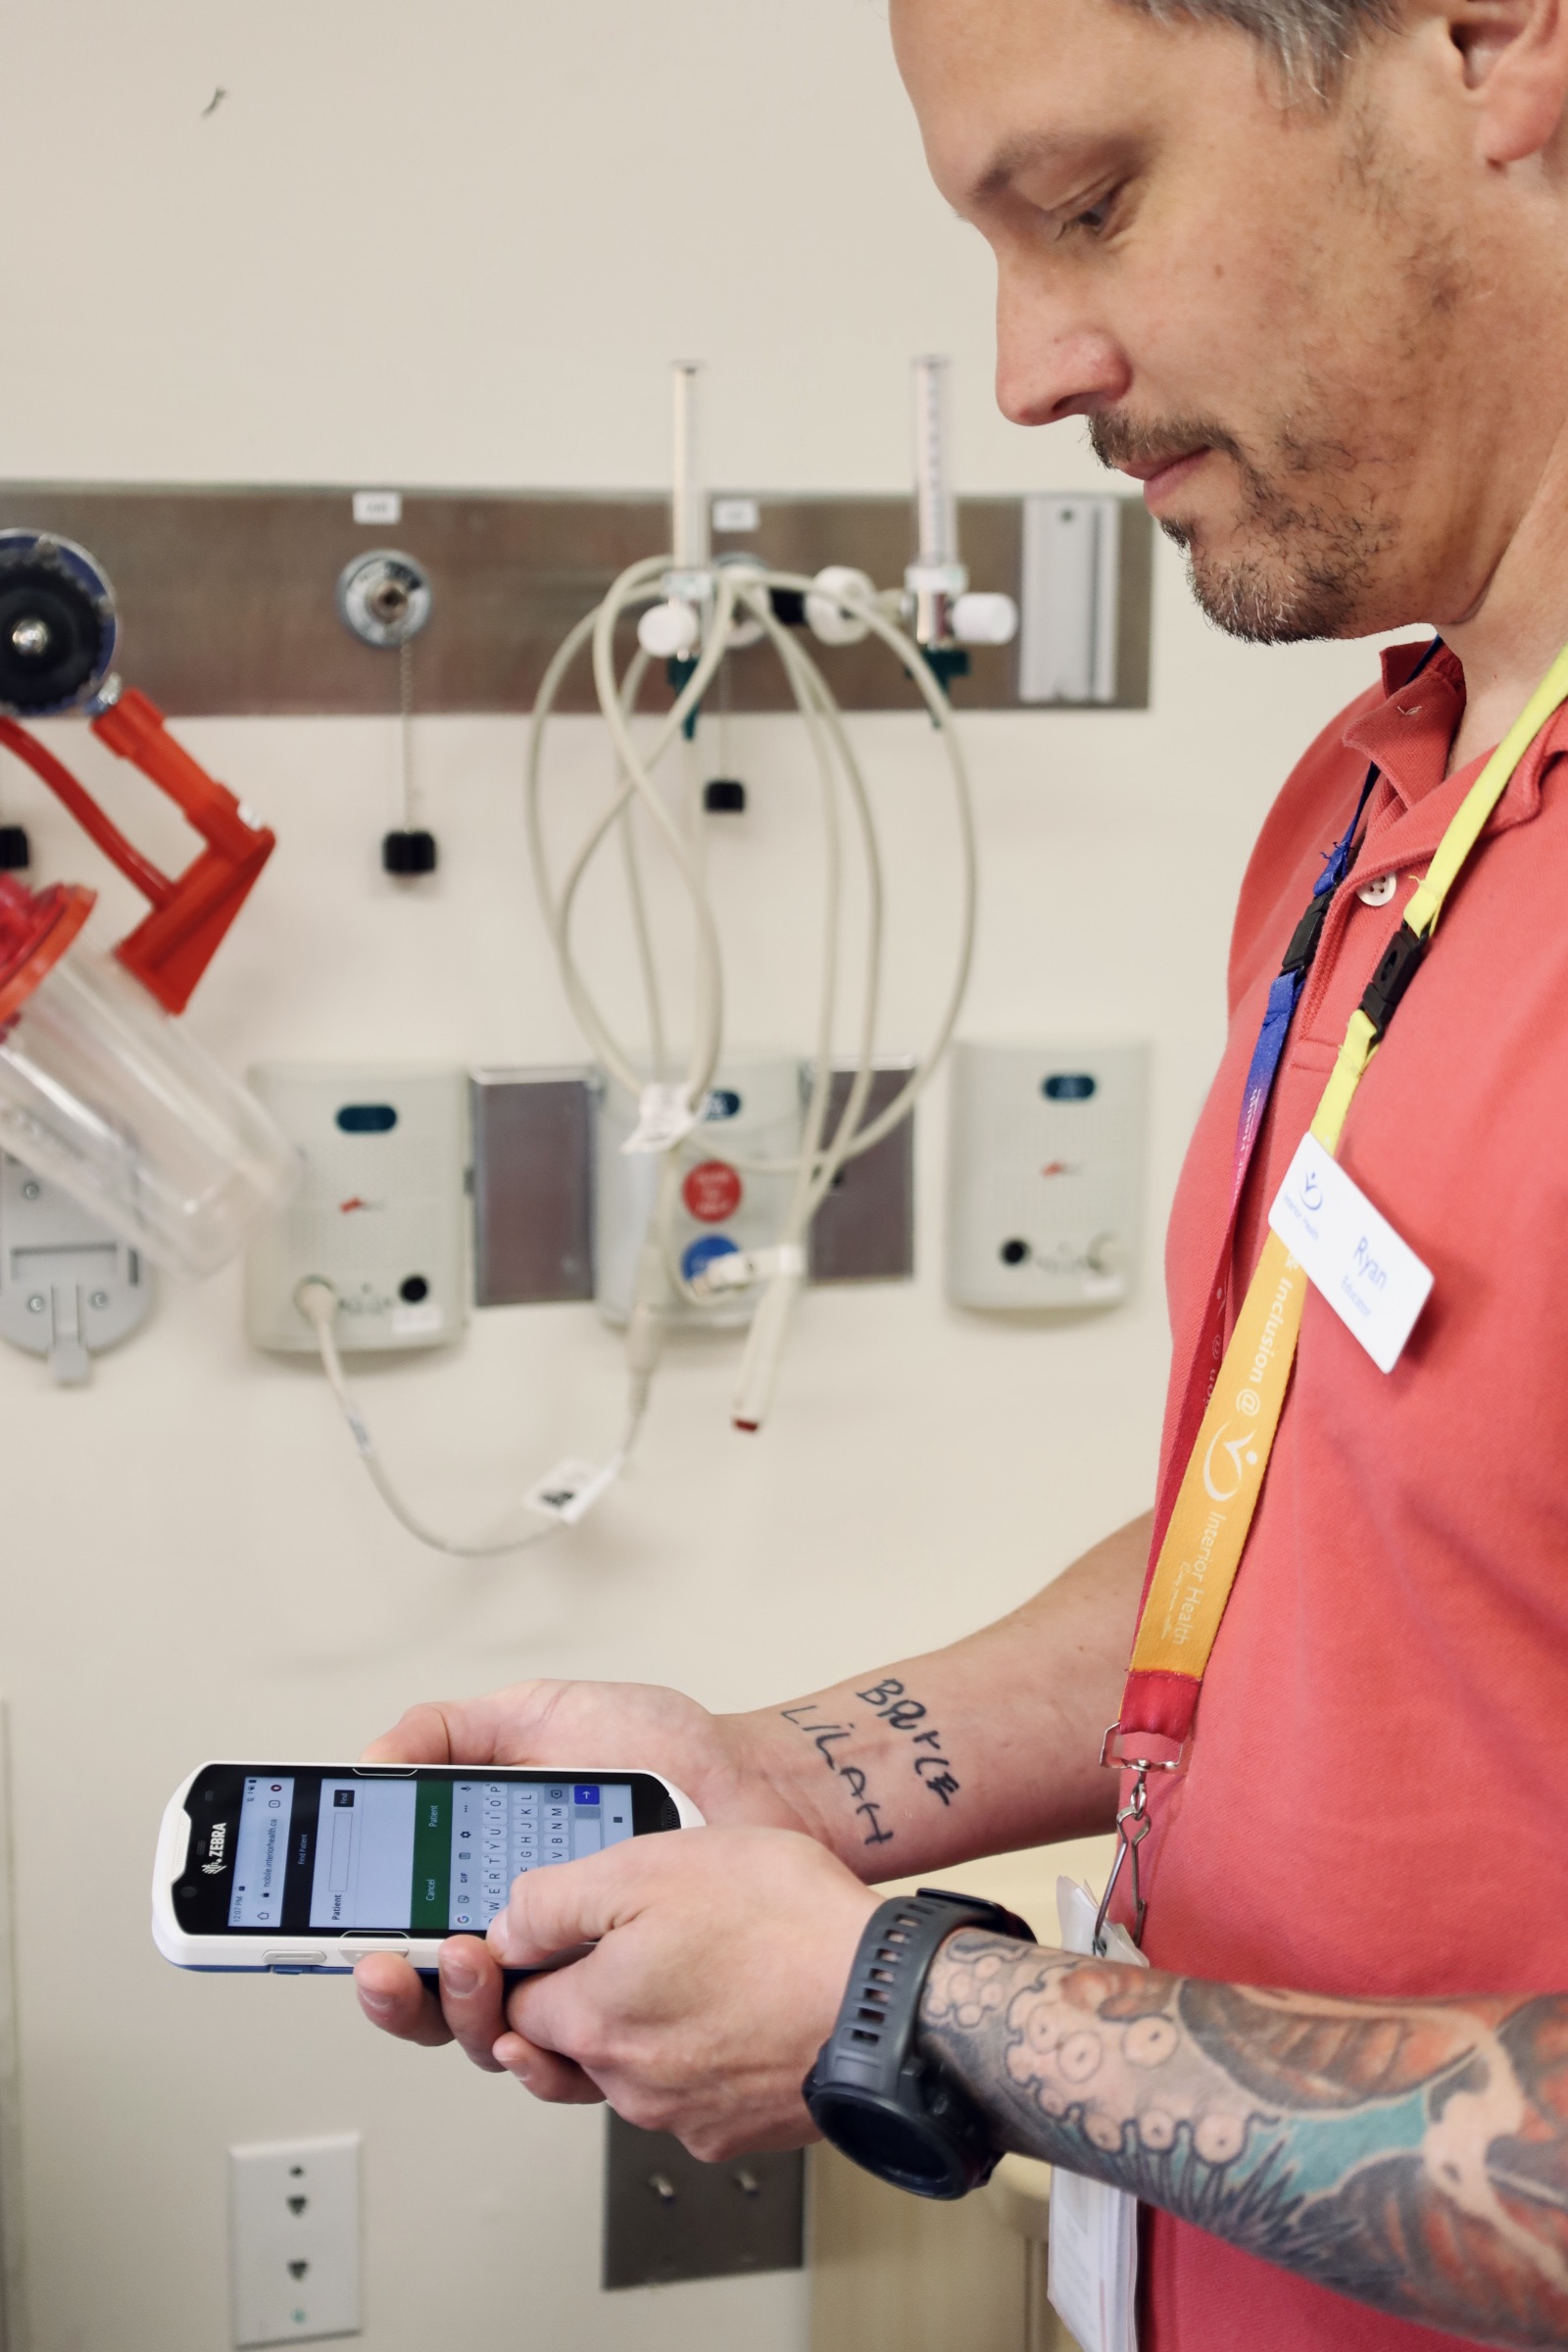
(1092, 2269)
(1352, 1255)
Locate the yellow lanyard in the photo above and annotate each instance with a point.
(1201, 1552)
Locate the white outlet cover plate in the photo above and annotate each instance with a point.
(294, 2239)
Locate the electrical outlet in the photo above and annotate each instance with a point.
(294, 2239)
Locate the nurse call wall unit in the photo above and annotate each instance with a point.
(381, 1210)
(1046, 1147)
(725, 1202)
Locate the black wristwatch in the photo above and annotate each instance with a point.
(871, 2092)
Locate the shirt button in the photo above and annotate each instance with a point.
(1380, 891)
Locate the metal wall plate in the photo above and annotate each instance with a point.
(533, 1227)
(227, 595)
(533, 1222)
(864, 1230)
(667, 2217)
(1067, 617)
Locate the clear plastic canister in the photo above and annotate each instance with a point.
(103, 1093)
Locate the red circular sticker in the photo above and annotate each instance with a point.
(712, 1192)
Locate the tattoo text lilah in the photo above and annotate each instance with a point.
(825, 1736)
(1413, 2155)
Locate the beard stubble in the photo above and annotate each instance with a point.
(1302, 557)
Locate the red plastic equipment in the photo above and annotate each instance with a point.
(172, 944)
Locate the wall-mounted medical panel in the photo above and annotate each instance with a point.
(1045, 1151)
(381, 1208)
(535, 1189)
(228, 594)
(733, 1192)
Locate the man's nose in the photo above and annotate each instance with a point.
(1054, 360)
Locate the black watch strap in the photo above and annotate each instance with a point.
(871, 2092)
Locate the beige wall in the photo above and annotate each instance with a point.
(458, 246)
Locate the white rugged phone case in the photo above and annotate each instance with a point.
(312, 1951)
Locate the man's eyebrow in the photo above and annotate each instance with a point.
(1022, 154)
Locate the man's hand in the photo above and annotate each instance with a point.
(719, 1959)
(602, 1726)
(903, 1769)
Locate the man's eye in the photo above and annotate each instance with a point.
(1094, 219)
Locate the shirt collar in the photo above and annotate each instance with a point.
(1408, 733)
(1407, 736)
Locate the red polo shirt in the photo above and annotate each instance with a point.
(1375, 1798)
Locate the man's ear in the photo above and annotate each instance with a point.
(1514, 55)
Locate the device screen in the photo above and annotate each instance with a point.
(435, 1853)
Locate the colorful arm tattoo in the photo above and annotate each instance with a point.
(1412, 2155)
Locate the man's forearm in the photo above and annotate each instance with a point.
(1413, 2155)
(989, 1744)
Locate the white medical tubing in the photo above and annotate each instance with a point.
(726, 601)
(729, 597)
(317, 1301)
(631, 864)
(936, 704)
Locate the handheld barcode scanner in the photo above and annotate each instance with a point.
(99, 1090)
(305, 1867)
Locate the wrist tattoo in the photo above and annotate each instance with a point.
(825, 1737)
(902, 1713)
(893, 1705)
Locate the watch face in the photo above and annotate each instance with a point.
(911, 2154)
(906, 2122)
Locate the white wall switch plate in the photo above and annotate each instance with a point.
(294, 2239)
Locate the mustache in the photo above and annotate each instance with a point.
(1120, 441)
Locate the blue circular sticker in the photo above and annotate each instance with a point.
(703, 1252)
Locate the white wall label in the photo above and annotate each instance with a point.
(735, 514)
(378, 506)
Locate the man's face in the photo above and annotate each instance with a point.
(1266, 310)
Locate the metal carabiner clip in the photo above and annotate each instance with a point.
(1132, 1827)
